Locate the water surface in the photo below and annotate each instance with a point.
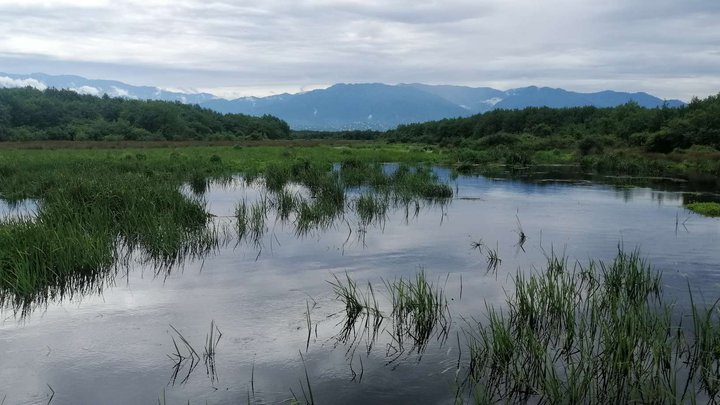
(114, 347)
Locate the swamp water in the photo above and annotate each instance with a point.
(120, 346)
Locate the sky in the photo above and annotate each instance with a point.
(669, 48)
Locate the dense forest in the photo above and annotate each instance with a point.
(590, 129)
(30, 114)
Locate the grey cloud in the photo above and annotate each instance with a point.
(294, 43)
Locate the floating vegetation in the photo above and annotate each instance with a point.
(708, 209)
(598, 333)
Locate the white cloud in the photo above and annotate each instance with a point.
(89, 90)
(118, 92)
(10, 82)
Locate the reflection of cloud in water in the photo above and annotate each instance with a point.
(120, 339)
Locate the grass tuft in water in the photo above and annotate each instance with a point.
(598, 333)
(419, 310)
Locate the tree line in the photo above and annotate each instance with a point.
(589, 129)
(54, 114)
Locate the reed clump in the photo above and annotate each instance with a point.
(599, 333)
(419, 309)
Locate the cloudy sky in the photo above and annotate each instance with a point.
(670, 48)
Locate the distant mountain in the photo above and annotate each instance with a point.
(100, 87)
(558, 98)
(348, 106)
(381, 106)
(355, 106)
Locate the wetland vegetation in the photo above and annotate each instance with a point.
(596, 332)
(96, 208)
(710, 209)
(593, 333)
(681, 142)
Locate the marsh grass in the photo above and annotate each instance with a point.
(371, 208)
(241, 215)
(97, 208)
(71, 246)
(328, 200)
(419, 313)
(598, 333)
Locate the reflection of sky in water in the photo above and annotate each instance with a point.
(19, 209)
(112, 348)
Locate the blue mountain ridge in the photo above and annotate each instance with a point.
(374, 106)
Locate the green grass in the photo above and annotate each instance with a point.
(599, 333)
(708, 209)
(419, 311)
(97, 206)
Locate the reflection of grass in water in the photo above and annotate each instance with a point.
(308, 397)
(493, 259)
(598, 333)
(212, 339)
(187, 356)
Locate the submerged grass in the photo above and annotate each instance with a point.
(598, 333)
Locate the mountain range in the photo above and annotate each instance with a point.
(353, 106)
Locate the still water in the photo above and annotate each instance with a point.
(117, 347)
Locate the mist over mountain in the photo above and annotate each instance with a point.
(100, 87)
(354, 106)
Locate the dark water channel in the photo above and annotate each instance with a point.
(117, 347)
